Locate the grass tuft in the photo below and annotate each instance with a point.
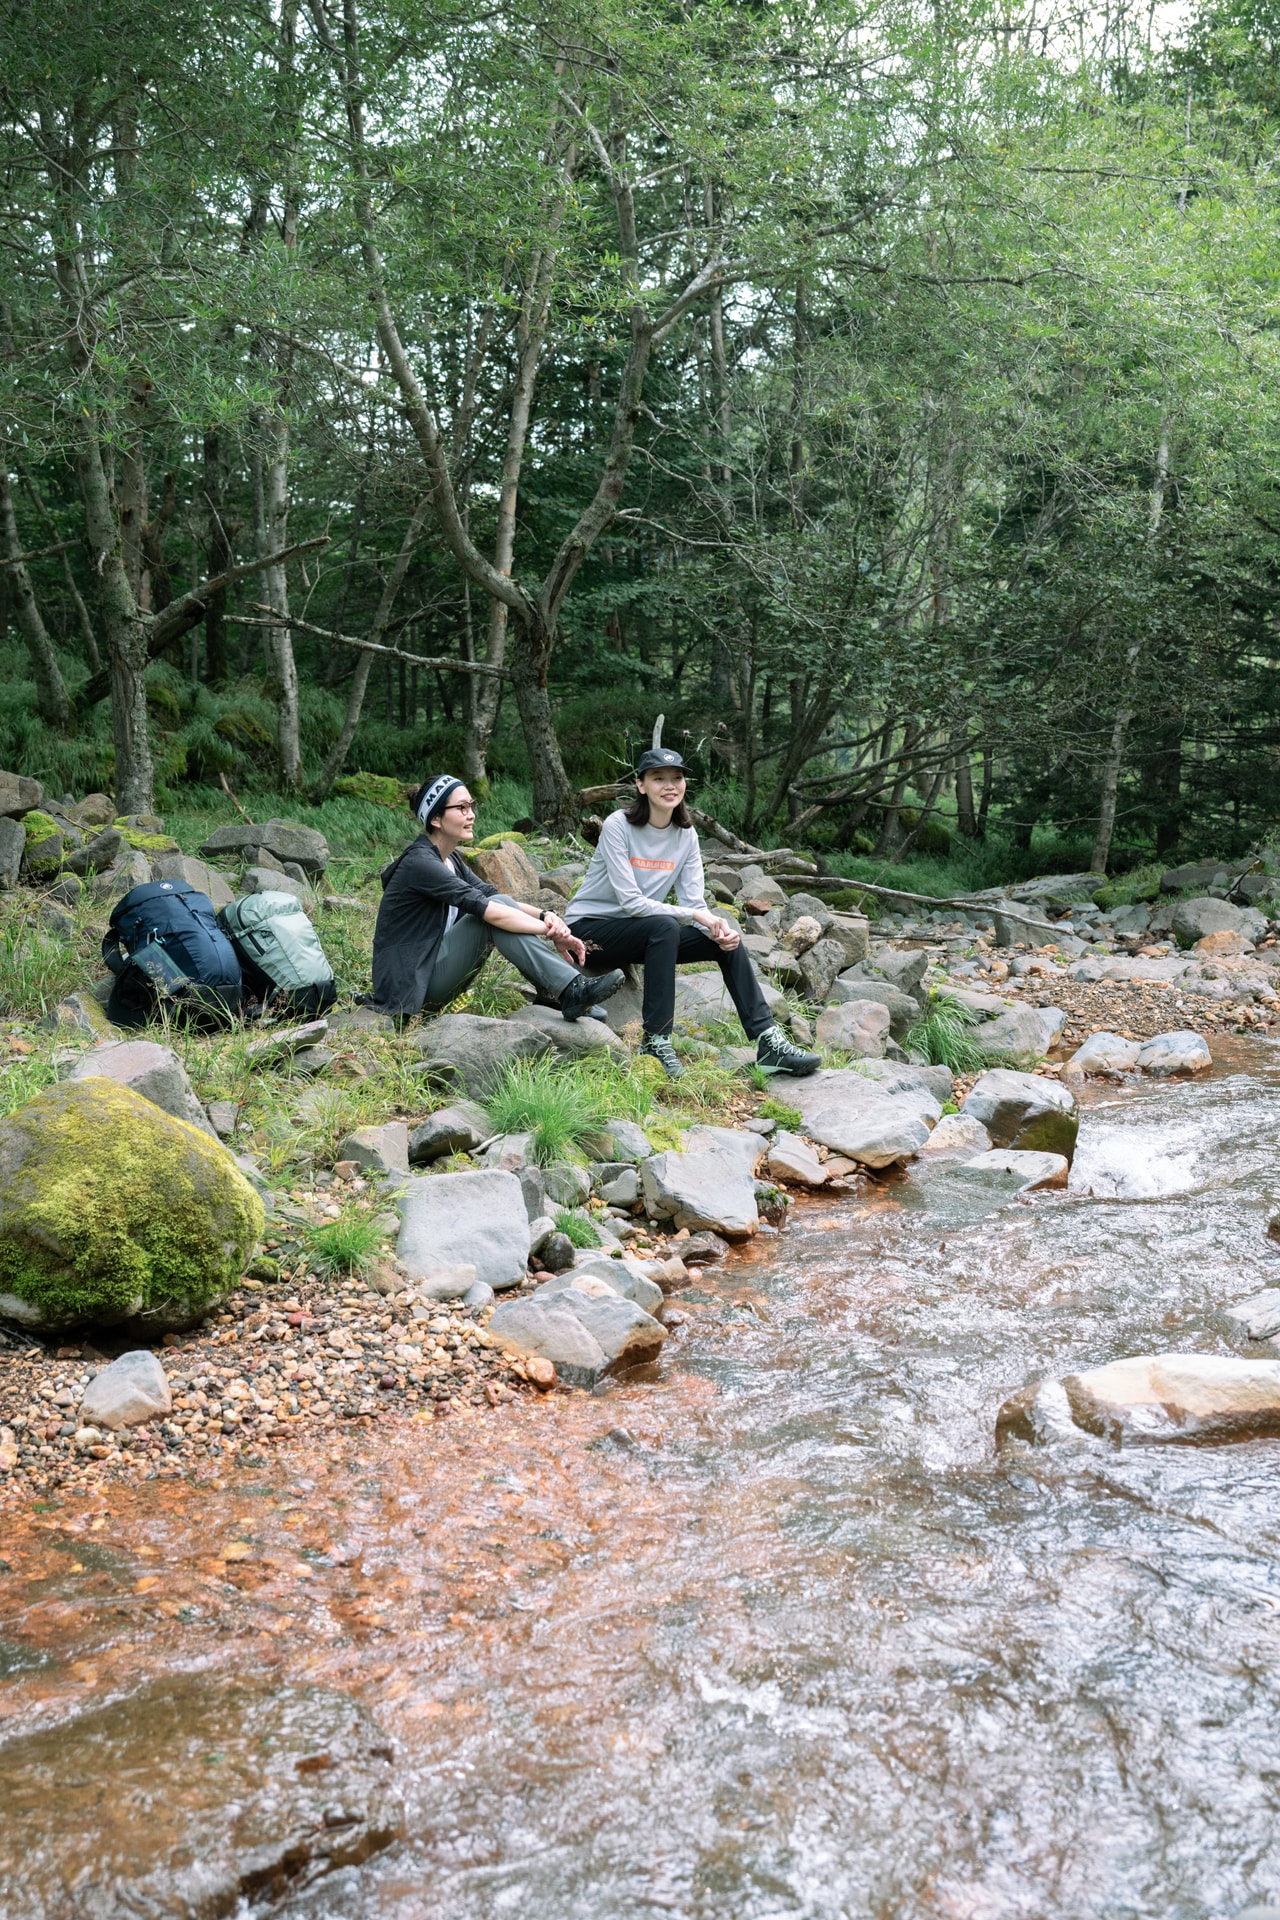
(779, 1111)
(579, 1231)
(561, 1110)
(944, 1035)
(348, 1244)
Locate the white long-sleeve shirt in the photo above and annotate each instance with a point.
(633, 869)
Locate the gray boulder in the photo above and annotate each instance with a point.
(1025, 1111)
(153, 1071)
(701, 1001)
(626, 1335)
(806, 906)
(474, 1050)
(267, 880)
(1171, 1053)
(1193, 919)
(710, 1189)
(621, 1140)
(903, 968)
(1204, 873)
(1104, 1054)
(854, 1116)
(459, 1128)
(180, 866)
(536, 1203)
(573, 1038)
(1022, 927)
(13, 841)
(957, 1136)
(18, 795)
(455, 1219)
(858, 1026)
(902, 1009)
(566, 1185)
(1257, 1318)
(622, 1189)
(286, 841)
(1035, 1170)
(1016, 1034)
(794, 1161)
(819, 967)
(548, 1330)
(128, 1393)
(853, 935)
(382, 1149)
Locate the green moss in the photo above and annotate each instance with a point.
(378, 788)
(43, 850)
(150, 842)
(502, 839)
(110, 1207)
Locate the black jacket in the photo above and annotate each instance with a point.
(417, 891)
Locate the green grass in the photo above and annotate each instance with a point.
(944, 1035)
(781, 1113)
(348, 1244)
(575, 1228)
(560, 1109)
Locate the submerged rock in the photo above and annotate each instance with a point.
(1176, 1396)
(197, 1796)
(110, 1209)
(1035, 1170)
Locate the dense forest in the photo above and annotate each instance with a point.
(887, 393)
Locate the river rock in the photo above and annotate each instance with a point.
(382, 1149)
(1026, 1111)
(620, 1140)
(626, 1335)
(1171, 1053)
(571, 1037)
(455, 1219)
(1025, 927)
(1177, 1396)
(711, 1189)
(110, 1209)
(191, 1796)
(741, 1140)
(1193, 919)
(1040, 1414)
(858, 1026)
(153, 1071)
(283, 838)
(1035, 1170)
(128, 1393)
(1104, 1054)
(1018, 1034)
(459, 1128)
(794, 1161)
(853, 934)
(902, 1009)
(556, 1251)
(1257, 1318)
(856, 1117)
(475, 1051)
(958, 1134)
(510, 1151)
(547, 1329)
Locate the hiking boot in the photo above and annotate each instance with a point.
(658, 1047)
(580, 995)
(776, 1054)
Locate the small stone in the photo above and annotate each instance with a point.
(459, 1128)
(223, 1116)
(382, 1149)
(128, 1393)
(792, 1160)
(557, 1252)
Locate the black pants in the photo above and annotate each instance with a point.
(661, 944)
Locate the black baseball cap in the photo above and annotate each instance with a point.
(659, 757)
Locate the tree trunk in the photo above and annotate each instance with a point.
(51, 693)
(127, 638)
(364, 663)
(282, 667)
(966, 819)
(218, 545)
(887, 839)
(554, 802)
(83, 621)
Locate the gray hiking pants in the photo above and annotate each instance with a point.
(465, 948)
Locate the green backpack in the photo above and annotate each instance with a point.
(280, 953)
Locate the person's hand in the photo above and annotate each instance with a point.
(570, 946)
(724, 932)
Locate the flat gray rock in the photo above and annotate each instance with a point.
(459, 1128)
(959, 1136)
(547, 1329)
(474, 1050)
(701, 1001)
(711, 1189)
(566, 1185)
(127, 1393)
(282, 838)
(154, 1071)
(730, 1139)
(1026, 1111)
(278, 1044)
(571, 1037)
(855, 1116)
(454, 1219)
(902, 967)
(1035, 1170)
(792, 1160)
(382, 1149)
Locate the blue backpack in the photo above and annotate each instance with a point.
(166, 949)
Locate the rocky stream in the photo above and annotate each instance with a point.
(772, 1628)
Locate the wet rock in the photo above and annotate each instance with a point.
(957, 1134)
(128, 1393)
(153, 1071)
(286, 841)
(701, 1249)
(626, 1335)
(792, 1160)
(902, 1009)
(382, 1149)
(220, 1794)
(1035, 1170)
(1177, 1396)
(711, 1189)
(548, 1329)
(1104, 1054)
(859, 1026)
(110, 1209)
(1171, 1053)
(1039, 1414)
(621, 1140)
(449, 1219)
(1026, 1111)
(573, 1038)
(474, 1051)
(1257, 1318)
(853, 1115)
(459, 1128)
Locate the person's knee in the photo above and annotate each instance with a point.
(663, 932)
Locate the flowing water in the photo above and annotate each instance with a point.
(776, 1632)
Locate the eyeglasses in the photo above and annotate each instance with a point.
(458, 807)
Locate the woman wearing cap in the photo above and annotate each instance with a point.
(622, 913)
(438, 920)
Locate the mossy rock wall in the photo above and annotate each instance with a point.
(111, 1210)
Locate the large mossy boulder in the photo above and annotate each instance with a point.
(112, 1210)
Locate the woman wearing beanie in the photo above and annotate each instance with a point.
(437, 921)
(622, 913)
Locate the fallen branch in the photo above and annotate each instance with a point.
(40, 553)
(447, 664)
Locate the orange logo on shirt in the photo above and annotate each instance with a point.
(653, 866)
